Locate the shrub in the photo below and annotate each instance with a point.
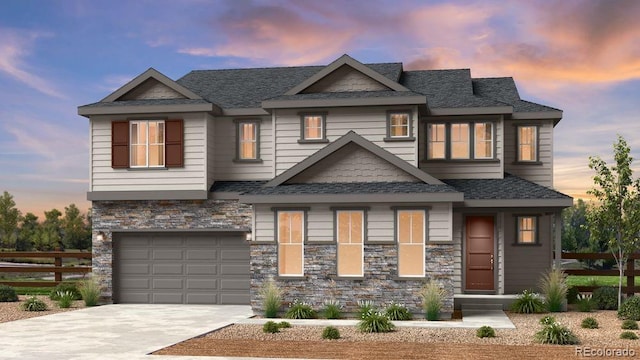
(90, 291)
(432, 297)
(8, 294)
(270, 327)
(528, 303)
(300, 310)
(375, 322)
(630, 309)
(272, 299)
(485, 331)
(554, 286)
(572, 295)
(364, 308)
(65, 299)
(284, 325)
(396, 311)
(628, 335)
(605, 298)
(585, 303)
(33, 304)
(589, 323)
(64, 287)
(330, 333)
(547, 320)
(332, 310)
(629, 325)
(556, 334)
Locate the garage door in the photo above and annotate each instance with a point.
(181, 268)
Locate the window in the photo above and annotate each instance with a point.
(350, 237)
(248, 144)
(459, 141)
(527, 143)
(527, 233)
(436, 143)
(290, 242)
(483, 141)
(411, 236)
(313, 127)
(147, 143)
(399, 126)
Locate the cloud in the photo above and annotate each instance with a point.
(14, 48)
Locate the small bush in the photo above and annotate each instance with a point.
(63, 288)
(485, 331)
(90, 291)
(605, 298)
(629, 325)
(270, 327)
(556, 334)
(589, 323)
(630, 309)
(330, 333)
(284, 325)
(33, 304)
(364, 308)
(8, 294)
(554, 286)
(375, 322)
(572, 295)
(528, 303)
(300, 310)
(432, 297)
(271, 299)
(628, 335)
(585, 303)
(547, 320)
(65, 299)
(332, 310)
(396, 311)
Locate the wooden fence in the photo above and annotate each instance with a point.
(630, 272)
(57, 269)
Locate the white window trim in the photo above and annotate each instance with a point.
(424, 240)
(534, 144)
(147, 144)
(476, 140)
(362, 223)
(304, 132)
(302, 241)
(407, 126)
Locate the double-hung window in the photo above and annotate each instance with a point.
(399, 126)
(437, 141)
(411, 234)
(483, 141)
(248, 143)
(527, 143)
(290, 227)
(460, 141)
(313, 127)
(147, 143)
(350, 238)
(527, 230)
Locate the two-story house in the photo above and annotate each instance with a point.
(349, 181)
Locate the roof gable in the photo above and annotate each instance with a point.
(345, 79)
(151, 84)
(349, 138)
(346, 60)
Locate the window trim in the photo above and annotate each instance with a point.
(428, 137)
(409, 136)
(536, 230)
(396, 236)
(239, 123)
(276, 212)
(147, 144)
(493, 140)
(323, 116)
(537, 145)
(472, 141)
(363, 233)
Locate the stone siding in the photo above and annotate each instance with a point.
(379, 285)
(113, 216)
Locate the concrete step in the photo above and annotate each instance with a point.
(481, 306)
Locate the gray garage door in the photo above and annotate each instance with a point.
(181, 268)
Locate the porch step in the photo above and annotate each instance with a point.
(479, 306)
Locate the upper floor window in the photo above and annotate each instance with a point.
(483, 141)
(460, 141)
(248, 141)
(436, 144)
(527, 230)
(454, 141)
(399, 126)
(290, 227)
(527, 143)
(147, 143)
(313, 127)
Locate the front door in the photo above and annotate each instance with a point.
(480, 257)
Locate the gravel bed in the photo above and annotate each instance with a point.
(11, 311)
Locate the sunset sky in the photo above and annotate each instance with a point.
(579, 56)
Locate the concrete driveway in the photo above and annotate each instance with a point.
(113, 331)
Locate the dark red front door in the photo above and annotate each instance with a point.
(479, 249)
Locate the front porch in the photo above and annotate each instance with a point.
(483, 302)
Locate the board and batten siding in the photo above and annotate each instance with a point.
(380, 223)
(542, 173)
(190, 177)
(225, 141)
(463, 169)
(370, 123)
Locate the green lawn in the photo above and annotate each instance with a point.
(585, 280)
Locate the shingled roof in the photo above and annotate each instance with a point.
(511, 187)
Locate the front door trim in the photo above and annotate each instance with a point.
(465, 216)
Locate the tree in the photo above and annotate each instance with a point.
(49, 236)
(615, 218)
(9, 218)
(27, 232)
(74, 229)
(575, 231)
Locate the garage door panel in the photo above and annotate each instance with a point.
(234, 298)
(231, 284)
(176, 284)
(201, 241)
(168, 269)
(202, 254)
(136, 283)
(232, 269)
(170, 241)
(233, 254)
(200, 269)
(199, 284)
(135, 269)
(168, 298)
(140, 242)
(167, 254)
(135, 254)
(202, 298)
(135, 298)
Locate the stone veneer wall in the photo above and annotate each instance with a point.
(380, 284)
(111, 216)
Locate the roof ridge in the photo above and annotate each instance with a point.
(284, 67)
